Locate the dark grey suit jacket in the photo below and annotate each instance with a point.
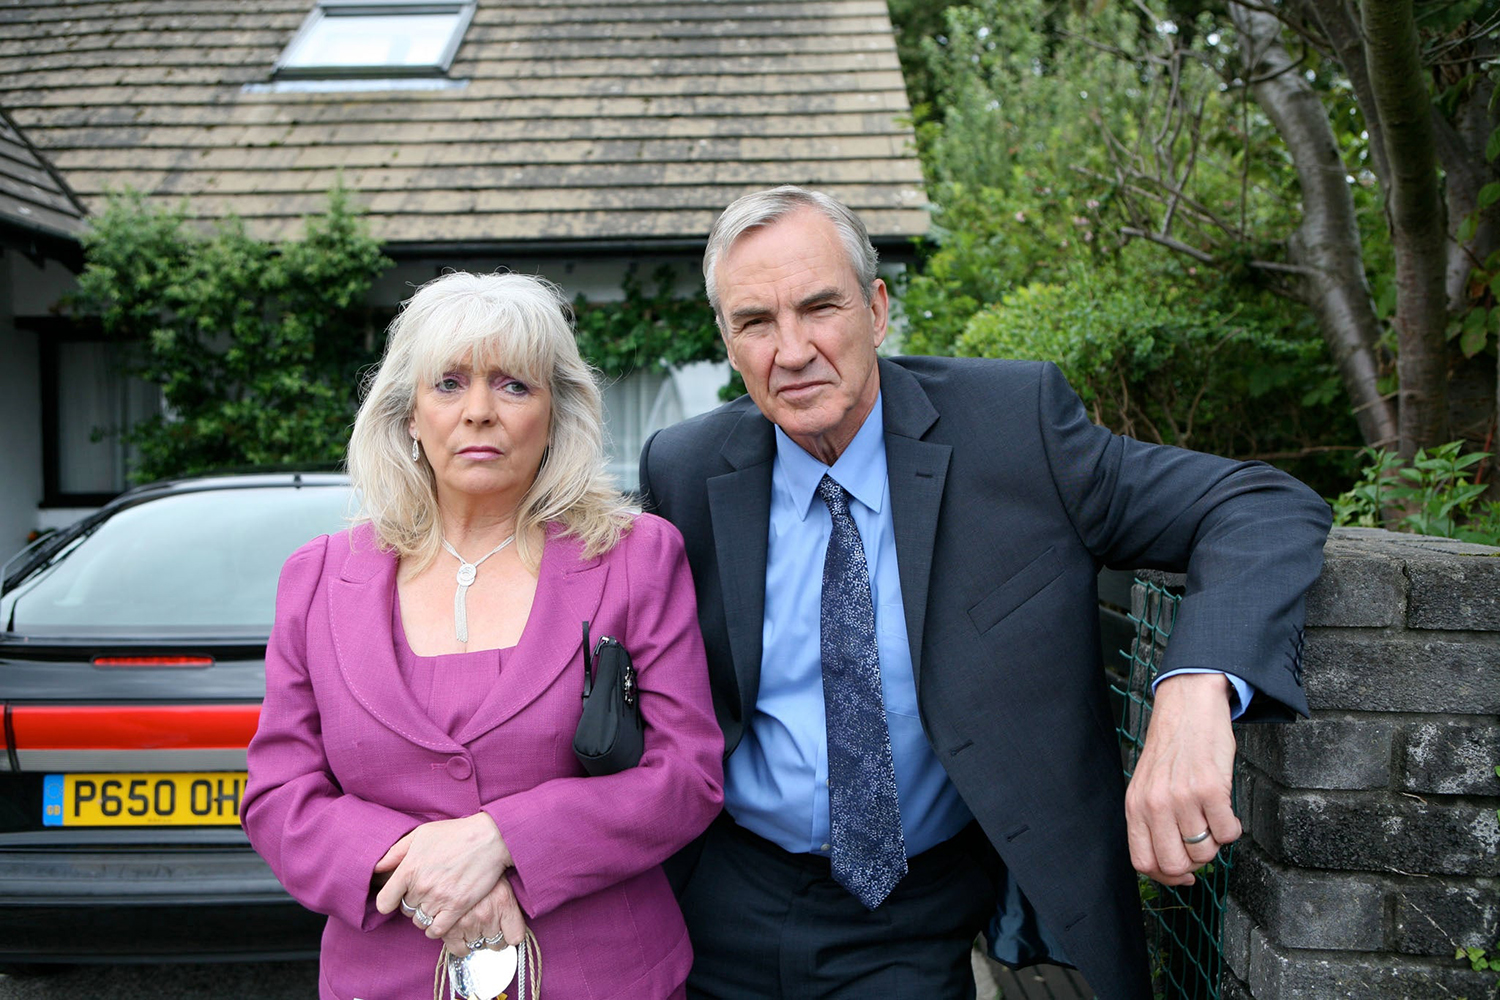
(1006, 500)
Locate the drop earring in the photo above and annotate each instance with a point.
(416, 451)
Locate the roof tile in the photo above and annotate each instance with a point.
(630, 120)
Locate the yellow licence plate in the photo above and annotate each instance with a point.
(189, 798)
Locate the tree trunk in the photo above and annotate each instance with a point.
(1342, 31)
(1460, 149)
(1327, 242)
(1414, 208)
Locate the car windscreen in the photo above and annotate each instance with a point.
(200, 560)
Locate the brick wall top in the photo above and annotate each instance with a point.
(1374, 579)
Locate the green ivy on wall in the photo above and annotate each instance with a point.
(651, 327)
(256, 346)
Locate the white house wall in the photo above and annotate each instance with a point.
(20, 415)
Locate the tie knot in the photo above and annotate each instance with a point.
(834, 496)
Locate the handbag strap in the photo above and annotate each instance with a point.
(528, 969)
(588, 663)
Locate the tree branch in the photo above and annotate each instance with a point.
(1298, 28)
(1349, 48)
(1169, 242)
(1271, 265)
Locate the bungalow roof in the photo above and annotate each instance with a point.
(631, 122)
(34, 200)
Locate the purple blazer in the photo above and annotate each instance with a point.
(343, 765)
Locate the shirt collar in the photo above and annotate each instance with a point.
(860, 469)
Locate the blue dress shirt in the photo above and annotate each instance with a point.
(776, 781)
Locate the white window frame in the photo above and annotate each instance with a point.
(284, 69)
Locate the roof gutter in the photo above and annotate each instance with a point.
(896, 248)
(39, 244)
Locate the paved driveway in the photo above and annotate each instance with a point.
(261, 980)
(299, 981)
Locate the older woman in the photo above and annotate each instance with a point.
(412, 776)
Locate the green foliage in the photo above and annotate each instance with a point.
(915, 20)
(1479, 326)
(1480, 959)
(256, 347)
(1156, 353)
(1476, 328)
(1433, 494)
(1437, 485)
(999, 240)
(648, 327)
(1003, 150)
(1363, 505)
(1034, 103)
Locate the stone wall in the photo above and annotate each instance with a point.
(1373, 847)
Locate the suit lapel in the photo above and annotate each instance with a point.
(917, 470)
(739, 504)
(359, 615)
(568, 593)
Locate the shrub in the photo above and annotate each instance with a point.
(1159, 357)
(256, 347)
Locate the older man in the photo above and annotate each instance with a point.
(895, 562)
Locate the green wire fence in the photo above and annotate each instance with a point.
(1184, 925)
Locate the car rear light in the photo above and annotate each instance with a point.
(134, 727)
(153, 661)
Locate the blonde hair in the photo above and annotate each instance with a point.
(522, 325)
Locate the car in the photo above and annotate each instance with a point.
(132, 667)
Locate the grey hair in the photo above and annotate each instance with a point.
(766, 207)
(522, 325)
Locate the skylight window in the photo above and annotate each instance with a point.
(375, 38)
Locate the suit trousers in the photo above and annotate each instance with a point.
(773, 925)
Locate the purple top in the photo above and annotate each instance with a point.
(448, 687)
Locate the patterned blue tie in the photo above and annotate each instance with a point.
(869, 852)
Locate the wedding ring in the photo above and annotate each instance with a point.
(422, 919)
(497, 939)
(1200, 838)
(477, 943)
(406, 907)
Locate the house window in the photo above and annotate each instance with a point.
(643, 402)
(634, 407)
(86, 404)
(375, 38)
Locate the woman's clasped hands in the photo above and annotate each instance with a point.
(448, 876)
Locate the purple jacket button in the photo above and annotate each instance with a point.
(459, 768)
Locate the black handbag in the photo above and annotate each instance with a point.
(611, 733)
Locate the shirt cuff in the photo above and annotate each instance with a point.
(1240, 691)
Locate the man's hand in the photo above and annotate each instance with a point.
(1181, 785)
(443, 868)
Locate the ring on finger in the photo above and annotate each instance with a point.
(422, 919)
(406, 907)
(477, 943)
(498, 939)
(1200, 838)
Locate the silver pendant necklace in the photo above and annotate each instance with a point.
(467, 572)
